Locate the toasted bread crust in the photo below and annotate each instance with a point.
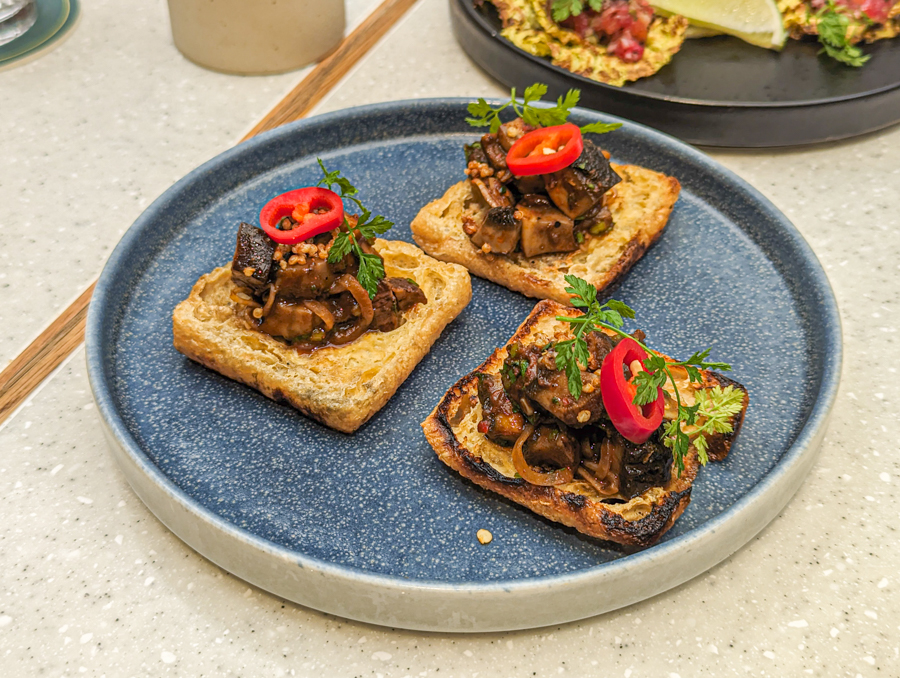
(451, 429)
(640, 209)
(342, 387)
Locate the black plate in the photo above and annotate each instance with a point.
(716, 91)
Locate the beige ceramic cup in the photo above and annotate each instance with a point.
(255, 37)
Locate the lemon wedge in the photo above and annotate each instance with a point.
(755, 21)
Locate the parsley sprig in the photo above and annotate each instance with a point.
(484, 115)
(563, 9)
(713, 408)
(832, 27)
(574, 352)
(371, 268)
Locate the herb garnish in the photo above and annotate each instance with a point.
(715, 407)
(832, 28)
(484, 115)
(563, 9)
(371, 268)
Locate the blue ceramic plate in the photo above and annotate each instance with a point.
(372, 526)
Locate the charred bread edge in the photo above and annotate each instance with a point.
(530, 282)
(575, 510)
(350, 414)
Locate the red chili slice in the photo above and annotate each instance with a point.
(316, 210)
(635, 423)
(545, 150)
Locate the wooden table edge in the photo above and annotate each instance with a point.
(66, 332)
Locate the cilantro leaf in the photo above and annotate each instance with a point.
(677, 441)
(647, 384)
(563, 9)
(371, 267)
(654, 363)
(535, 92)
(347, 190)
(567, 359)
(848, 54)
(600, 127)
(693, 374)
(376, 226)
(483, 114)
(340, 248)
(584, 294)
(551, 115)
(713, 409)
(698, 359)
(371, 270)
(832, 27)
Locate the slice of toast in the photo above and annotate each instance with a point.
(640, 210)
(452, 430)
(341, 386)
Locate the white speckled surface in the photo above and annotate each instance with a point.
(91, 134)
(816, 593)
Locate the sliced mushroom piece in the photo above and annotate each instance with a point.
(500, 231)
(532, 184)
(581, 185)
(252, 263)
(510, 132)
(531, 374)
(305, 281)
(544, 228)
(549, 446)
(407, 292)
(290, 321)
(475, 153)
(501, 422)
(496, 157)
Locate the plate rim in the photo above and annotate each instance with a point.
(475, 17)
(794, 457)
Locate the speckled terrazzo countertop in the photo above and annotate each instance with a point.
(92, 584)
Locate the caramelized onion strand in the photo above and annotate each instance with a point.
(321, 310)
(527, 471)
(348, 283)
(270, 301)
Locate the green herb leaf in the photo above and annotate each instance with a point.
(714, 407)
(563, 9)
(621, 308)
(371, 270)
(340, 248)
(347, 190)
(648, 384)
(584, 294)
(567, 360)
(832, 26)
(600, 127)
(535, 92)
(483, 114)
